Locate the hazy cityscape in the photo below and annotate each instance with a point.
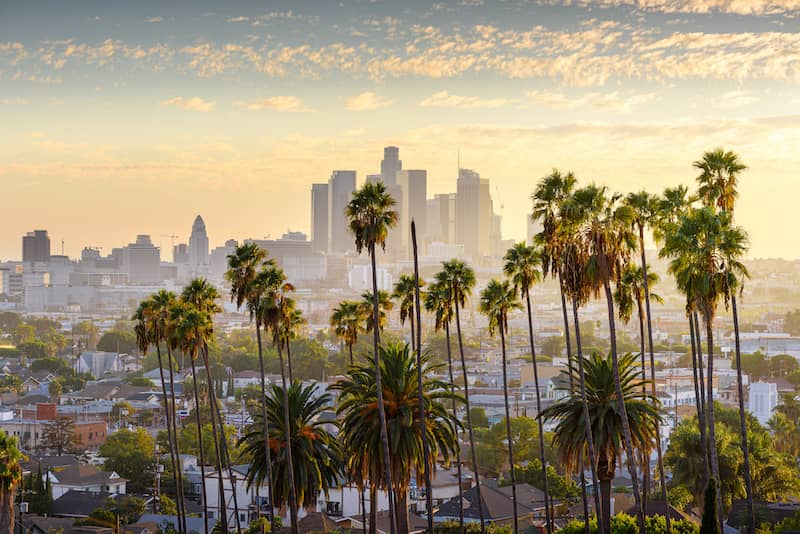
(407, 299)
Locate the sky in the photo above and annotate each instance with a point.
(121, 118)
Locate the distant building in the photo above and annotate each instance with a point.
(340, 190)
(180, 253)
(87, 478)
(198, 247)
(142, 261)
(319, 217)
(413, 205)
(36, 246)
(763, 400)
(533, 227)
(218, 260)
(441, 219)
(297, 258)
(360, 278)
(473, 214)
(99, 363)
(390, 165)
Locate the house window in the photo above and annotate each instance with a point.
(333, 508)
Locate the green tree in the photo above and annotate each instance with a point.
(479, 417)
(710, 521)
(347, 320)
(371, 215)
(60, 437)
(10, 477)
(122, 341)
(360, 421)
(131, 453)
(606, 421)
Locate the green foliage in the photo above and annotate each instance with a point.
(788, 525)
(54, 365)
(167, 506)
(59, 436)
(122, 341)
(560, 487)
(791, 322)
(10, 383)
(258, 526)
(452, 527)
(479, 417)
(626, 524)
(710, 521)
(189, 444)
(38, 493)
(309, 359)
(680, 497)
(131, 454)
(139, 381)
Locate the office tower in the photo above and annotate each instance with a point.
(340, 190)
(180, 253)
(496, 237)
(473, 214)
(374, 178)
(218, 259)
(198, 246)
(412, 204)
(142, 261)
(390, 165)
(534, 227)
(441, 223)
(319, 217)
(36, 246)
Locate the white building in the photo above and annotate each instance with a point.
(763, 400)
(84, 477)
(360, 278)
(99, 363)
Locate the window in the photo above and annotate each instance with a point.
(333, 508)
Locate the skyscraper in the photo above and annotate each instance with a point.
(198, 246)
(142, 261)
(473, 214)
(340, 190)
(390, 165)
(412, 204)
(441, 223)
(36, 246)
(319, 217)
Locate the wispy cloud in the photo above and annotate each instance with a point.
(734, 99)
(279, 103)
(194, 103)
(154, 20)
(737, 7)
(613, 101)
(368, 101)
(444, 99)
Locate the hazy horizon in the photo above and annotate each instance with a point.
(125, 119)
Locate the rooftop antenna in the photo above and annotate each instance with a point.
(62, 247)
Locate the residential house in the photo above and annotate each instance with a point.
(99, 363)
(85, 478)
(498, 506)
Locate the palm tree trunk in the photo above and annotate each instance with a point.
(601, 519)
(508, 428)
(712, 434)
(387, 458)
(350, 348)
(289, 361)
(7, 510)
(568, 341)
(458, 442)
(222, 443)
(363, 514)
(751, 523)
(287, 421)
(626, 429)
(175, 462)
(200, 444)
(413, 334)
(221, 484)
(697, 365)
(469, 418)
(422, 419)
(646, 286)
(548, 524)
(267, 450)
(645, 452)
(373, 508)
(179, 489)
(703, 398)
(402, 511)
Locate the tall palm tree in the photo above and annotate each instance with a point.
(385, 305)
(246, 275)
(360, 421)
(371, 215)
(346, 321)
(499, 299)
(610, 240)
(440, 304)
(404, 290)
(275, 312)
(203, 296)
(548, 198)
(641, 416)
(718, 181)
(522, 265)
(459, 279)
(291, 322)
(317, 455)
(10, 477)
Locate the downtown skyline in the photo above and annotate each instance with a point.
(124, 120)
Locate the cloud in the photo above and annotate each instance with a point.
(239, 19)
(279, 103)
(734, 99)
(154, 20)
(613, 101)
(194, 103)
(736, 7)
(444, 99)
(368, 101)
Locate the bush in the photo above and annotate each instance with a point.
(625, 524)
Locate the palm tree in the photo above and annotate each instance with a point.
(148, 330)
(360, 421)
(371, 216)
(346, 321)
(385, 305)
(522, 265)
(316, 454)
(718, 182)
(203, 296)
(498, 299)
(459, 279)
(641, 416)
(10, 477)
(246, 275)
(291, 322)
(277, 298)
(548, 198)
(404, 290)
(609, 239)
(439, 302)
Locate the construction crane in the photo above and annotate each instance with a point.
(173, 237)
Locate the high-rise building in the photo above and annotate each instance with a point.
(473, 214)
(534, 227)
(441, 222)
(340, 190)
(412, 204)
(142, 261)
(180, 253)
(218, 259)
(319, 217)
(390, 165)
(198, 246)
(36, 246)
